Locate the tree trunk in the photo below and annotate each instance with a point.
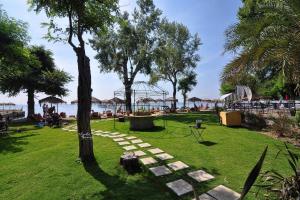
(174, 94)
(128, 97)
(86, 153)
(30, 102)
(184, 100)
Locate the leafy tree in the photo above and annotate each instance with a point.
(185, 85)
(38, 74)
(176, 54)
(83, 16)
(13, 39)
(266, 41)
(127, 48)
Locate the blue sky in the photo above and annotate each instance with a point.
(208, 18)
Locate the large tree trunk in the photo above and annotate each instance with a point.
(30, 102)
(84, 90)
(174, 94)
(128, 97)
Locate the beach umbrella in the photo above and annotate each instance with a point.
(207, 100)
(93, 100)
(106, 101)
(194, 99)
(52, 100)
(117, 100)
(171, 99)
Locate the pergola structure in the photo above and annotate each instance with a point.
(143, 94)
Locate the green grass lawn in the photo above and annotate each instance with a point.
(41, 163)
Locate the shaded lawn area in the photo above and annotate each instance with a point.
(41, 163)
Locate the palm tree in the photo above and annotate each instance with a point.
(266, 40)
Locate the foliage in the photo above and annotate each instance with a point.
(266, 41)
(297, 117)
(253, 174)
(186, 83)
(85, 16)
(40, 75)
(13, 39)
(127, 47)
(176, 54)
(284, 187)
(282, 125)
(254, 121)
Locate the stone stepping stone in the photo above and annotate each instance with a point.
(128, 148)
(205, 197)
(180, 187)
(200, 176)
(72, 130)
(98, 131)
(113, 136)
(144, 145)
(164, 156)
(224, 193)
(148, 161)
(118, 139)
(178, 165)
(115, 133)
(131, 137)
(160, 170)
(97, 134)
(136, 141)
(155, 151)
(139, 153)
(123, 143)
(122, 135)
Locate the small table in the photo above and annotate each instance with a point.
(197, 132)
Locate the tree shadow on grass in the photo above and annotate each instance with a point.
(14, 144)
(191, 118)
(208, 143)
(119, 187)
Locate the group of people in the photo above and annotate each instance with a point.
(49, 116)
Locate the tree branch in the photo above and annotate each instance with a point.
(71, 30)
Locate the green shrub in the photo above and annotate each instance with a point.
(282, 125)
(297, 117)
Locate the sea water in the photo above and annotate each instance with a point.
(71, 109)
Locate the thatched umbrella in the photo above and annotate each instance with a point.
(52, 100)
(194, 99)
(117, 100)
(171, 99)
(93, 100)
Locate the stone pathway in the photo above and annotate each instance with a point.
(179, 187)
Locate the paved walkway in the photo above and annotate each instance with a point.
(151, 157)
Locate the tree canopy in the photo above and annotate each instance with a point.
(176, 54)
(266, 44)
(186, 85)
(128, 47)
(39, 74)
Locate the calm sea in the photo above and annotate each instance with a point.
(71, 109)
